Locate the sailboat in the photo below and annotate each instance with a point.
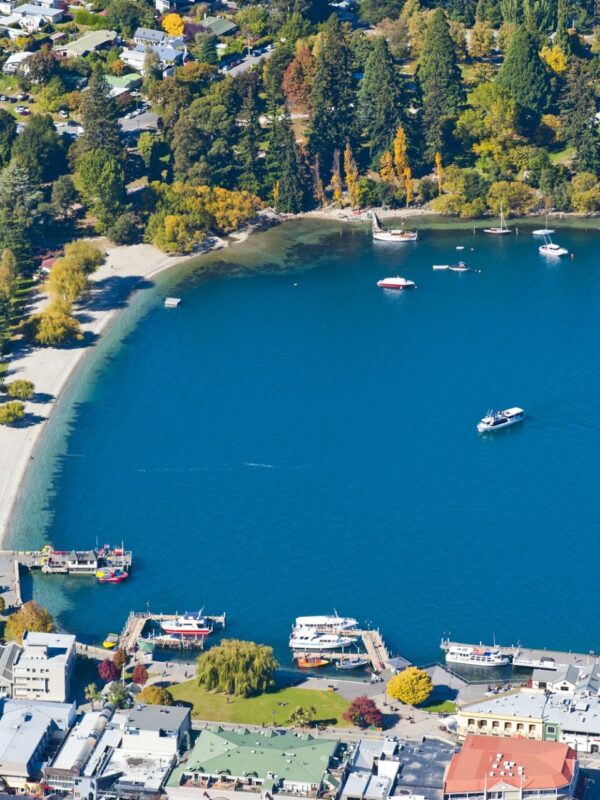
(391, 234)
(544, 231)
(502, 229)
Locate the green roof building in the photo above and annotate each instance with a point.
(130, 81)
(288, 761)
(218, 26)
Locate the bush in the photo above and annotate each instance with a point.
(155, 696)
(11, 412)
(21, 390)
(53, 326)
(108, 671)
(364, 713)
(125, 229)
(139, 674)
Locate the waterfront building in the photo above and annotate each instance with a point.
(266, 761)
(511, 769)
(570, 679)
(531, 714)
(162, 730)
(44, 668)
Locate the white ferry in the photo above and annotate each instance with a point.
(327, 623)
(495, 420)
(476, 656)
(188, 625)
(307, 639)
(392, 234)
(396, 283)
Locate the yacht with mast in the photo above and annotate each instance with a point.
(544, 231)
(549, 248)
(502, 229)
(398, 235)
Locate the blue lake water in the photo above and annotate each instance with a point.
(299, 440)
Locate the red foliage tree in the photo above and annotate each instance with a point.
(140, 674)
(364, 712)
(298, 77)
(120, 658)
(108, 671)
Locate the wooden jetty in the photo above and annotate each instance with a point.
(375, 650)
(137, 621)
(532, 658)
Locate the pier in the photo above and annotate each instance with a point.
(137, 621)
(375, 650)
(532, 658)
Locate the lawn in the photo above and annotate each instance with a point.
(272, 708)
(437, 706)
(563, 156)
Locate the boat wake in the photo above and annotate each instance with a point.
(263, 466)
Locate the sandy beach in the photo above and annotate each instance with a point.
(50, 368)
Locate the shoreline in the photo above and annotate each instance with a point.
(52, 368)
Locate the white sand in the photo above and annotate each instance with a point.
(50, 368)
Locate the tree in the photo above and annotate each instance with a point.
(40, 148)
(127, 15)
(9, 413)
(439, 172)
(299, 75)
(100, 181)
(379, 98)
(99, 118)
(351, 173)
(108, 671)
(125, 229)
(41, 66)
(2, 605)
(8, 133)
(302, 716)
(139, 674)
(19, 198)
(386, 167)
(250, 166)
(373, 11)
(54, 325)
(205, 48)
(64, 195)
(20, 389)
(173, 24)
(155, 696)
(30, 617)
(562, 39)
(120, 658)
(481, 42)
(67, 280)
(236, 667)
(440, 81)
(364, 713)
(283, 165)
(412, 686)
(577, 116)
(118, 695)
(333, 97)
(524, 74)
(92, 694)
(8, 275)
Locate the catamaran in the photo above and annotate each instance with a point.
(391, 234)
(502, 229)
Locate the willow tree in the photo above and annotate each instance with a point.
(237, 668)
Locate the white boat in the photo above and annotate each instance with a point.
(476, 656)
(551, 249)
(188, 625)
(502, 229)
(172, 302)
(441, 266)
(460, 267)
(391, 234)
(396, 283)
(307, 640)
(327, 623)
(495, 420)
(544, 231)
(347, 662)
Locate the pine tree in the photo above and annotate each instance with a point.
(333, 95)
(250, 170)
(99, 118)
(511, 11)
(539, 15)
(440, 80)
(20, 196)
(283, 165)
(408, 185)
(562, 27)
(577, 110)
(524, 74)
(379, 98)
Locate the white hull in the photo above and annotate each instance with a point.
(544, 232)
(397, 284)
(496, 421)
(477, 661)
(553, 251)
(316, 644)
(326, 623)
(497, 231)
(398, 238)
(482, 427)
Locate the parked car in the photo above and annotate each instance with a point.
(23, 110)
(22, 96)
(62, 112)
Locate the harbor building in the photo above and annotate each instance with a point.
(571, 679)
(290, 763)
(44, 667)
(511, 769)
(572, 720)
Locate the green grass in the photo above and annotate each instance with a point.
(563, 156)
(266, 708)
(439, 707)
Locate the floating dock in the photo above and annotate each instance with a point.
(375, 650)
(532, 658)
(137, 622)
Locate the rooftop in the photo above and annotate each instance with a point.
(218, 25)
(488, 761)
(422, 767)
(21, 732)
(89, 41)
(153, 718)
(524, 705)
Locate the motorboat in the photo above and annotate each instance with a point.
(549, 248)
(111, 575)
(307, 639)
(396, 284)
(476, 656)
(460, 267)
(502, 229)
(312, 662)
(441, 266)
(188, 625)
(398, 235)
(327, 623)
(111, 641)
(495, 420)
(356, 662)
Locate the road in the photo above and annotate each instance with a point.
(148, 121)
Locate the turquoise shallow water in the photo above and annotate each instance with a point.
(300, 440)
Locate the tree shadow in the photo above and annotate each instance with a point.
(28, 421)
(112, 293)
(42, 398)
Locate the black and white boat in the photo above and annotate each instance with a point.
(496, 420)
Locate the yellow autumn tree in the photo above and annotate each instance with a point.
(173, 24)
(555, 58)
(30, 617)
(400, 150)
(412, 686)
(336, 179)
(439, 171)
(386, 167)
(276, 193)
(351, 171)
(408, 185)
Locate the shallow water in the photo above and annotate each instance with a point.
(301, 440)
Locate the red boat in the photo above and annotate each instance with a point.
(111, 575)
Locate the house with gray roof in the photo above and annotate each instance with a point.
(148, 37)
(90, 42)
(570, 679)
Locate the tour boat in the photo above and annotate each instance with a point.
(495, 420)
(476, 656)
(111, 641)
(311, 662)
(307, 639)
(111, 575)
(551, 249)
(391, 234)
(396, 283)
(188, 625)
(327, 623)
(502, 229)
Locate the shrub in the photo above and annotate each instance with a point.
(155, 696)
(53, 326)
(20, 389)
(11, 412)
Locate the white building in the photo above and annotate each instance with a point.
(44, 668)
(42, 14)
(7, 6)
(571, 679)
(16, 63)
(154, 729)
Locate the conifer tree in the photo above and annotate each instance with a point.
(250, 177)
(333, 96)
(379, 98)
(206, 48)
(99, 118)
(440, 80)
(539, 15)
(20, 196)
(577, 110)
(562, 27)
(283, 165)
(511, 11)
(524, 74)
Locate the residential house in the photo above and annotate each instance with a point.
(218, 26)
(511, 769)
(167, 6)
(16, 63)
(90, 42)
(148, 37)
(31, 14)
(44, 668)
(7, 6)
(168, 56)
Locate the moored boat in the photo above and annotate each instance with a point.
(398, 235)
(326, 623)
(502, 229)
(460, 267)
(549, 248)
(496, 420)
(111, 641)
(188, 625)
(544, 231)
(306, 639)
(397, 284)
(312, 662)
(358, 662)
(476, 656)
(111, 575)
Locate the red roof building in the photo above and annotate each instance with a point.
(498, 768)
